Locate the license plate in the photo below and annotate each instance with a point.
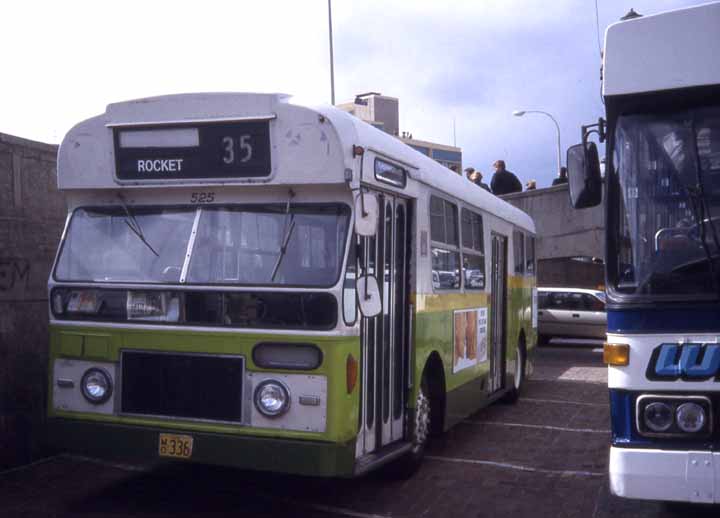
(175, 446)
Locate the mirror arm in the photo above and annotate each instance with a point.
(587, 131)
(362, 203)
(358, 248)
(359, 151)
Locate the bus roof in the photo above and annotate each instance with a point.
(670, 50)
(311, 145)
(429, 172)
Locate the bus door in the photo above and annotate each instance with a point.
(498, 307)
(385, 337)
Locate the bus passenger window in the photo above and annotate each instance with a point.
(445, 250)
(473, 250)
(445, 269)
(530, 255)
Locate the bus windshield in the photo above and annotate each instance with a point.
(233, 245)
(667, 239)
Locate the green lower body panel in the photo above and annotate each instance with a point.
(257, 453)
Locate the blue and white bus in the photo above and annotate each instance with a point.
(661, 90)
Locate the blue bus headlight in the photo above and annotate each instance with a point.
(658, 416)
(690, 417)
(272, 399)
(96, 386)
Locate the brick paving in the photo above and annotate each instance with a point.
(545, 456)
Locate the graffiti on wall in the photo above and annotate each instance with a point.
(14, 273)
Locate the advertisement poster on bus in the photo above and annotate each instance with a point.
(470, 338)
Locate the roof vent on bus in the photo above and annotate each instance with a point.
(630, 15)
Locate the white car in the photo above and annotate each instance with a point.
(571, 313)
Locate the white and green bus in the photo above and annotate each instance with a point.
(247, 281)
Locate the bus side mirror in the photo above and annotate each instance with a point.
(368, 294)
(584, 180)
(366, 214)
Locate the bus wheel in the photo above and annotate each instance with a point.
(519, 377)
(421, 428)
(408, 464)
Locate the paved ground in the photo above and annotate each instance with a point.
(546, 456)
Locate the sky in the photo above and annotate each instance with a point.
(450, 62)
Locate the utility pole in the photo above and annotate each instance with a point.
(332, 65)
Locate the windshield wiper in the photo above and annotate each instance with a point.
(135, 226)
(289, 226)
(704, 208)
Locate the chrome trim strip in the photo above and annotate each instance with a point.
(309, 400)
(190, 246)
(335, 289)
(236, 330)
(191, 121)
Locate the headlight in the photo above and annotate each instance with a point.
(96, 385)
(658, 416)
(690, 417)
(153, 305)
(272, 398)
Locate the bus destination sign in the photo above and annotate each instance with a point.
(215, 151)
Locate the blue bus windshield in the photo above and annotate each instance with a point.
(668, 203)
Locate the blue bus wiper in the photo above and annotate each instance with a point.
(704, 208)
(135, 226)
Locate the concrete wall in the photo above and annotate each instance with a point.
(563, 232)
(32, 215)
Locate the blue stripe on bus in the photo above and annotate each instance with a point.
(677, 319)
(621, 417)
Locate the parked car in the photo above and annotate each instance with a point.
(571, 313)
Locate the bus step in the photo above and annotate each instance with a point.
(384, 455)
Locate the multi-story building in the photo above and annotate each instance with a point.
(383, 112)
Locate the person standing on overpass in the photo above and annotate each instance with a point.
(562, 177)
(503, 181)
(476, 178)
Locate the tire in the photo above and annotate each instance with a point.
(408, 464)
(519, 378)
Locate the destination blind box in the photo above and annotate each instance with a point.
(192, 151)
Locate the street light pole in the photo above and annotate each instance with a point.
(520, 113)
(332, 65)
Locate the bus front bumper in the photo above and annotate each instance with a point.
(136, 443)
(682, 476)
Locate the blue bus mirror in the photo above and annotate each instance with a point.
(366, 214)
(584, 179)
(368, 294)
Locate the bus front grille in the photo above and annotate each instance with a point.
(184, 386)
